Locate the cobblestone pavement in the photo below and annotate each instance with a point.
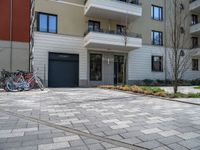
(102, 119)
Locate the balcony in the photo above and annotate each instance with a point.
(195, 29)
(113, 9)
(111, 40)
(195, 6)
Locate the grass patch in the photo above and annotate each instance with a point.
(182, 95)
(153, 89)
(197, 87)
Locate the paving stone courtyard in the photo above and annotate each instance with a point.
(95, 119)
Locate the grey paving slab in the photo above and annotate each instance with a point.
(176, 146)
(56, 140)
(170, 140)
(128, 118)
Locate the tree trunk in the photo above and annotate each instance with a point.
(175, 50)
(175, 87)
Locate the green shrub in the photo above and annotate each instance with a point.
(160, 82)
(195, 82)
(148, 82)
(194, 95)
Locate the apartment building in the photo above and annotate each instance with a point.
(14, 34)
(93, 42)
(194, 9)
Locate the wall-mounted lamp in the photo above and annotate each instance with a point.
(182, 53)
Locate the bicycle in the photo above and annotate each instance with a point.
(4, 75)
(22, 82)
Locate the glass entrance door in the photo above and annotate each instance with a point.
(119, 69)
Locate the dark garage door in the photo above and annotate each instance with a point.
(63, 70)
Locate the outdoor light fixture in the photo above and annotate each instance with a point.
(182, 53)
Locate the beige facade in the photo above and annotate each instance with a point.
(72, 25)
(194, 8)
(72, 21)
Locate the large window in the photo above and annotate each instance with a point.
(157, 13)
(93, 25)
(157, 38)
(195, 64)
(95, 67)
(47, 23)
(157, 63)
(194, 19)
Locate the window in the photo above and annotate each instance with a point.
(95, 67)
(93, 25)
(194, 19)
(157, 13)
(195, 42)
(157, 63)
(157, 38)
(182, 30)
(47, 23)
(195, 64)
(121, 29)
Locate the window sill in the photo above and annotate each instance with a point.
(157, 71)
(47, 32)
(157, 45)
(157, 20)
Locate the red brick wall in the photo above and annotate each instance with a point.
(21, 17)
(4, 19)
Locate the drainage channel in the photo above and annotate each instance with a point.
(74, 131)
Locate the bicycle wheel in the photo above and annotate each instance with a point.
(1, 83)
(32, 84)
(10, 87)
(39, 83)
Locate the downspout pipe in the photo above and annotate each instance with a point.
(11, 35)
(165, 31)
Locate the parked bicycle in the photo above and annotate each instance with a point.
(3, 76)
(22, 81)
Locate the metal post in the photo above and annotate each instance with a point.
(44, 82)
(165, 32)
(11, 34)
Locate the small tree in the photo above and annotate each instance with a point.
(178, 41)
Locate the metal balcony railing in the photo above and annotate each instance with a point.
(113, 32)
(134, 2)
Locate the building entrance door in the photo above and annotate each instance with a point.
(119, 69)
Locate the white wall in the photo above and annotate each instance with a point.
(139, 65)
(46, 42)
(139, 60)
